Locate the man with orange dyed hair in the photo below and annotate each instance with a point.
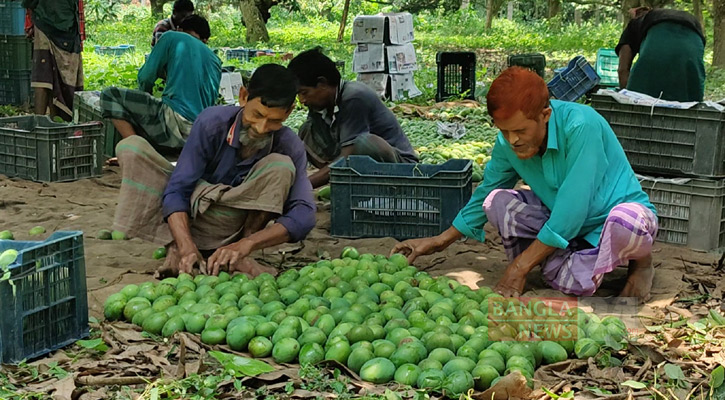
(586, 212)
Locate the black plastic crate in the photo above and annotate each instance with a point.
(456, 74)
(15, 88)
(16, 53)
(12, 18)
(36, 148)
(45, 306)
(372, 199)
(533, 61)
(668, 141)
(575, 81)
(85, 110)
(690, 212)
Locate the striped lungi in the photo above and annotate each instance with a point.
(218, 211)
(57, 70)
(628, 234)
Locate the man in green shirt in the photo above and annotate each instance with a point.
(192, 73)
(585, 213)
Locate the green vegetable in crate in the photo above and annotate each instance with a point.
(6, 235)
(37, 230)
(8, 257)
(379, 316)
(323, 193)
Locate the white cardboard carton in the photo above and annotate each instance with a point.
(376, 81)
(401, 59)
(368, 57)
(402, 86)
(390, 28)
(229, 86)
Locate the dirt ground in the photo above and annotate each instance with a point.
(88, 205)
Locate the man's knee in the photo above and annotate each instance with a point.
(633, 216)
(131, 147)
(497, 200)
(278, 164)
(374, 146)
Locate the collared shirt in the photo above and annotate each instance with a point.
(358, 111)
(210, 154)
(192, 70)
(162, 27)
(582, 175)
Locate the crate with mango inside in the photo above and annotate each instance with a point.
(385, 320)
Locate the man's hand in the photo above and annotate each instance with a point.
(229, 255)
(188, 257)
(413, 248)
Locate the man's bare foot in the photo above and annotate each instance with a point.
(113, 161)
(252, 268)
(639, 279)
(171, 263)
(512, 283)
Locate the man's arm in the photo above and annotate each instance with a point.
(188, 252)
(228, 255)
(322, 176)
(625, 65)
(155, 66)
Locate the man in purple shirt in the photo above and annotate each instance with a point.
(240, 168)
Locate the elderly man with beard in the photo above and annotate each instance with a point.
(240, 169)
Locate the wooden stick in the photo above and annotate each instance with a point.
(90, 380)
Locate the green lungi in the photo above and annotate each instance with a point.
(670, 63)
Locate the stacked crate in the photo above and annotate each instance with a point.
(16, 55)
(679, 155)
(384, 57)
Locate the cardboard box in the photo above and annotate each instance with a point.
(395, 86)
(389, 28)
(368, 57)
(401, 59)
(229, 86)
(402, 86)
(376, 81)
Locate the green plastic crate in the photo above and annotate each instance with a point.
(36, 148)
(668, 141)
(690, 213)
(606, 67)
(16, 53)
(86, 108)
(47, 308)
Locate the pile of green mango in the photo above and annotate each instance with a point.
(384, 319)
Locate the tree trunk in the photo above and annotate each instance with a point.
(626, 5)
(256, 29)
(343, 22)
(554, 8)
(697, 10)
(489, 13)
(577, 16)
(510, 11)
(718, 47)
(157, 7)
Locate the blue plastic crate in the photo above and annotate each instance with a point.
(48, 308)
(12, 18)
(574, 82)
(373, 199)
(114, 50)
(241, 54)
(15, 87)
(606, 66)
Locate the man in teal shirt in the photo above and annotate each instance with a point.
(192, 73)
(585, 213)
